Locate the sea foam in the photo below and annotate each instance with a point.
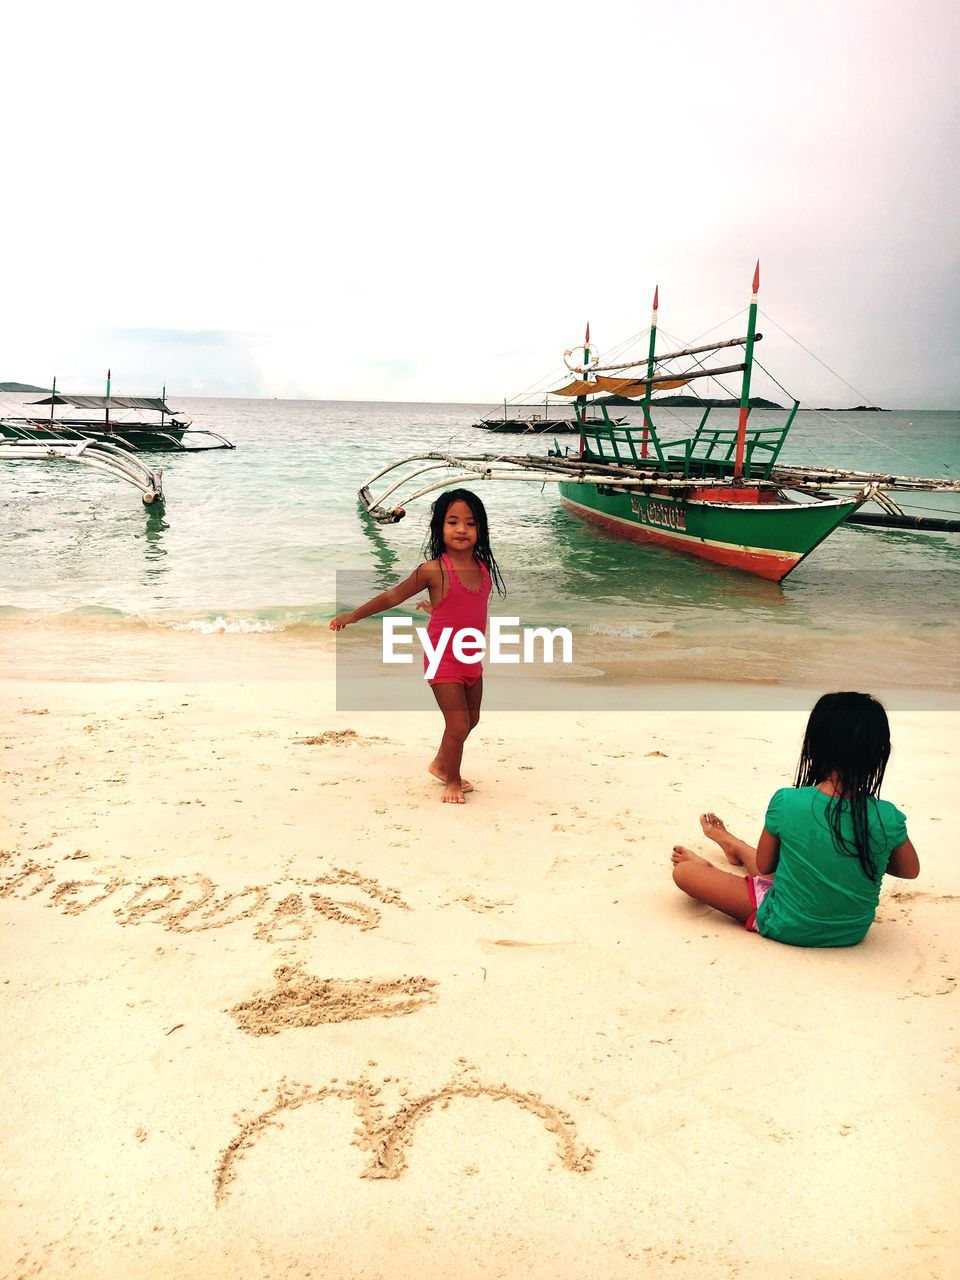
(227, 626)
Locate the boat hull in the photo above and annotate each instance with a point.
(742, 528)
(140, 436)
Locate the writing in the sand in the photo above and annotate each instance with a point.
(192, 903)
(385, 1139)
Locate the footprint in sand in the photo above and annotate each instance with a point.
(480, 905)
(934, 973)
(341, 737)
(489, 944)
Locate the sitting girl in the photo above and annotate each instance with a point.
(829, 838)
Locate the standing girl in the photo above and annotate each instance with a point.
(830, 839)
(458, 578)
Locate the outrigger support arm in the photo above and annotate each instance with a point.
(616, 484)
(817, 482)
(521, 468)
(676, 355)
(813, 478)
(96, 455)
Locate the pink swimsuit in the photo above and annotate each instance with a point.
(458, 609)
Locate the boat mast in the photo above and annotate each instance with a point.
(163, 400)
(106, 422)
(650, 363)
(745, 386)
(582, 400)
(53, 399)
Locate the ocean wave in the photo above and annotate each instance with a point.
(212, 620)
(625, 630)
(227, 626)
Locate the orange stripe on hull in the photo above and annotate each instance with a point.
(771, 565)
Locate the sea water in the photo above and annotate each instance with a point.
(266, 539)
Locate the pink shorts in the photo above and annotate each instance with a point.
(758, 888)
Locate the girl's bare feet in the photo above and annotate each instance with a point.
(453, 793)
(682, 854)
(714, 830)
(440, 776)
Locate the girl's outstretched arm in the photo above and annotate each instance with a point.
(419, 580)
(904, 862)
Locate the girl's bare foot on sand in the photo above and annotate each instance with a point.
(453, 793)
(714, 830)
(682, 854)
(440, 776)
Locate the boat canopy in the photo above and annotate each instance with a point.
(629, 387)
(156, 403)
(577, 388)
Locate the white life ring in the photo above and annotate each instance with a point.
(583, 366)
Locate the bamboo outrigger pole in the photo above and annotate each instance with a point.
(745, 386)
(650, 363)
(675, 355)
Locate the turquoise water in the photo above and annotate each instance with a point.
(252, 541)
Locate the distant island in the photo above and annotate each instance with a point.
(20, 386)
(756, 402)
(694, 402)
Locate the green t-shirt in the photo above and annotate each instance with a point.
(821, 897)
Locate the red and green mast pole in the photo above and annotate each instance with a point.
(53, 400)
(107, 405)
(745, 386)
(650, 364)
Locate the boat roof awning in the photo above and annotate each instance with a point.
(628, 387)
(578, 388)
(631, 387)
(156, 403)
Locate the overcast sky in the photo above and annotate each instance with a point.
(426, 201)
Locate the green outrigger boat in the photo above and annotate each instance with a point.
(721, 494)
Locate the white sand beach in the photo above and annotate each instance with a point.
(271, 1009)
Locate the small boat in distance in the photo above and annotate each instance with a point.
(172, 433)
(536, 420)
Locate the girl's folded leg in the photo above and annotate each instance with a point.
(735, 850)
(724, 890)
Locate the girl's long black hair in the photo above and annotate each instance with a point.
(848, 735)
(434, 547)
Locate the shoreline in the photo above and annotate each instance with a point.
(610, 672)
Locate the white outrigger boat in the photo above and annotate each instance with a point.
(96, 455)
(721, 494)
